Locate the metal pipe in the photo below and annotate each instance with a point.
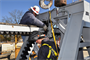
(15, 46)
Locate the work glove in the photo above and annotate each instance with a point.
(45, 27)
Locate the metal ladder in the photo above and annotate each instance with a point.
(25, 50)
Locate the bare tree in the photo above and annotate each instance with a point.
(15, 17)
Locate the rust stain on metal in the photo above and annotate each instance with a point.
(60, 3)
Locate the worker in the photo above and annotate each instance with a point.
(47, 45)
(29, 18)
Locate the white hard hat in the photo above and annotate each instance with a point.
(36, 9)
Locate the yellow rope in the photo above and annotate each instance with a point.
(53, 31)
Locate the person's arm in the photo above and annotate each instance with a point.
(36, 21)
(39, 41)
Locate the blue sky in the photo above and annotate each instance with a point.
(22, 5)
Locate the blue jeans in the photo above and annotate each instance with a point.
(23, 37)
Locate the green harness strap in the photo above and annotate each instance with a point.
(50, 50)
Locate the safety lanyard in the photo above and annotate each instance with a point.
(53, 32)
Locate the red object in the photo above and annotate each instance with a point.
(35, 10)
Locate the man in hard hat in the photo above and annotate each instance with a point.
(47, 50)
(29, 18)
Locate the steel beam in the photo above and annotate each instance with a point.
(6, 28)
(71, 40)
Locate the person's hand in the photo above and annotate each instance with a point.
(45, 27)
(39, 41)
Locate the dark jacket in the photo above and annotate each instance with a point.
(30, 19)
(44, 50)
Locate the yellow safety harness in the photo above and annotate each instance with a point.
(51, 50)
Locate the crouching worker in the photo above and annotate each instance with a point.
(47, 50)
